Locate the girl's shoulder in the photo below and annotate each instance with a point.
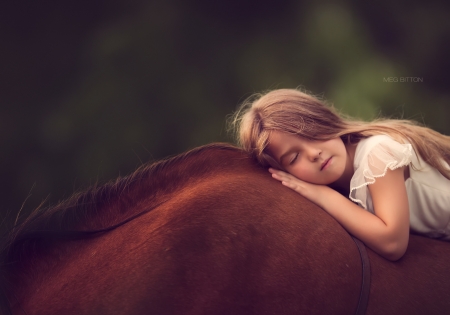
(373, 157)
(384, 147)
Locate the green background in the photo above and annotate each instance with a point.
(92, 89)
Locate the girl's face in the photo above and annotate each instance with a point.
(316, 162)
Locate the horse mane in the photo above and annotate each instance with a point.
(78, 217)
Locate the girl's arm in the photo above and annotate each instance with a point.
(386, 232)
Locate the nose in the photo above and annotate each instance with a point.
(313, 153)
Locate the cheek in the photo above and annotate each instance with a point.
(303, 173)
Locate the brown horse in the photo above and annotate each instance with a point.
(207, 232)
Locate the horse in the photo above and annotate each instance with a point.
(206, 232)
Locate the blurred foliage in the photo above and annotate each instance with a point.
(91, 89)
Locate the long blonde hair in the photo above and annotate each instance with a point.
(296, 112)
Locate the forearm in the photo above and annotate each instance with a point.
(387, 233)
(374, 232)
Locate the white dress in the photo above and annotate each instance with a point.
(428, 190)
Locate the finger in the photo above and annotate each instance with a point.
(274, 171)
(278, 172)
(280, 176)
(298, 188)
(285, 176)
(290, 185)
(277, 177)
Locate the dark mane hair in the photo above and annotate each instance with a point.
(101, 208)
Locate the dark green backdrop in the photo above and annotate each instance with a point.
(92, 89)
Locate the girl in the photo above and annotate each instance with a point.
(395, 169)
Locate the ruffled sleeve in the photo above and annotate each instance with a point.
(373, 157)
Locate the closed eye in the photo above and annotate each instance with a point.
(294, 159)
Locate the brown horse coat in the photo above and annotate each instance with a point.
(207, 232)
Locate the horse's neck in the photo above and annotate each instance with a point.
(112, 205)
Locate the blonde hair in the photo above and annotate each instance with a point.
(296, 112)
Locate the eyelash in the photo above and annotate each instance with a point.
(294, 159)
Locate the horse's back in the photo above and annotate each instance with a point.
(419, 283)
(223, 237)
(229, 242)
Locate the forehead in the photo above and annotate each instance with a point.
(279, 137)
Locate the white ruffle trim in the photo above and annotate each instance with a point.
(373, 157)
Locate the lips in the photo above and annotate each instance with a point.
(325, 163)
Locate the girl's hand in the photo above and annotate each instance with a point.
(310, 191)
